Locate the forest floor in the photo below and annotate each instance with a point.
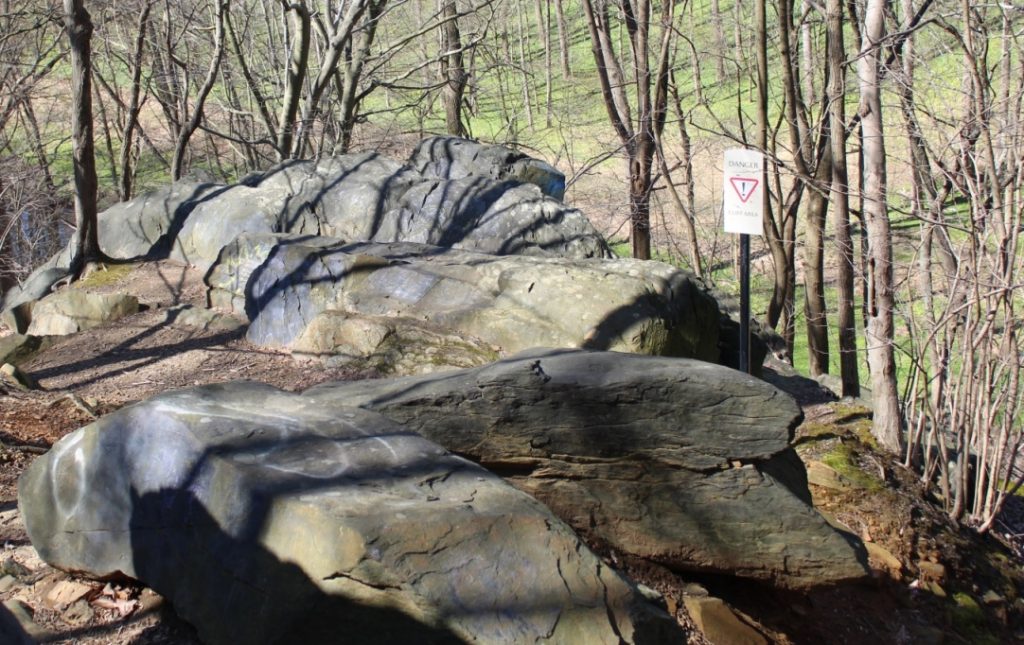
(933, 581)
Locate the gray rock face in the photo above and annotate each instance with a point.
(17, 304)
(503, 202)
(455, 158)
(214, 223)
(388, 345)
(299, 522)
(146, 224)
(509, 302)
(484, 198)
(497, 217)
(369, 198)
(678, 461)
(347, 197)
(71, 310)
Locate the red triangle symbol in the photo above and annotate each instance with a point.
(744, 186)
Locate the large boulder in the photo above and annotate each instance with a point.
(455, 158)
(283, 283)
(73, 310)
(486, 199)
(346, 196)
(498, 217)
(266, 519)
(367, 197)
(678, 461)
(215, 223)
(147, 225)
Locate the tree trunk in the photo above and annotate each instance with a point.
(688, 205)
(108, 138)
(524, 59)
(781, 233)
(848, 368)
(761, 54)
(719, 41)
(638, 140)
(886, 426)
(453, 71)
(815, 308)
(296, 77)
(807, 53)
(86, 240)
(563, 39)
(134, 105)
(348, 79)
(42, 159)
(544, 27)
(640, 204)
(251, 83)
(338, 38)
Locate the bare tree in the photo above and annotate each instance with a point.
(836, 92)
(886, 424)
(297, 67)
(86, 246)
(638, 137)
(563, 39)
(191, 122)
(453, 71)
(134, 103)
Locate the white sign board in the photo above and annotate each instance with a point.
(743, 204)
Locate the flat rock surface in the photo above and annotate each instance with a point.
(601, 407)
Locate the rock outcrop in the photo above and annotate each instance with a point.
(150, 223)
(455, 158)
(499, 207)
(264, 518)
(450, 192)
(73, 310)
(286, 285)
(450, 195)
(264, 515)
(677, 461)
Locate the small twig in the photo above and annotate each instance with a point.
(24, 447)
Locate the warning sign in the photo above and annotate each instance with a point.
(744, 186)
(743, 206)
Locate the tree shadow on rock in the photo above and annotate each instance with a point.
(236, 591)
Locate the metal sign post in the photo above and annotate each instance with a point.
(743, 213)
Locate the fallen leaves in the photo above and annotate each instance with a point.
(122, 601)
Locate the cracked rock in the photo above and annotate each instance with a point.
(674, 460)
(263, 516)
(302, 293)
